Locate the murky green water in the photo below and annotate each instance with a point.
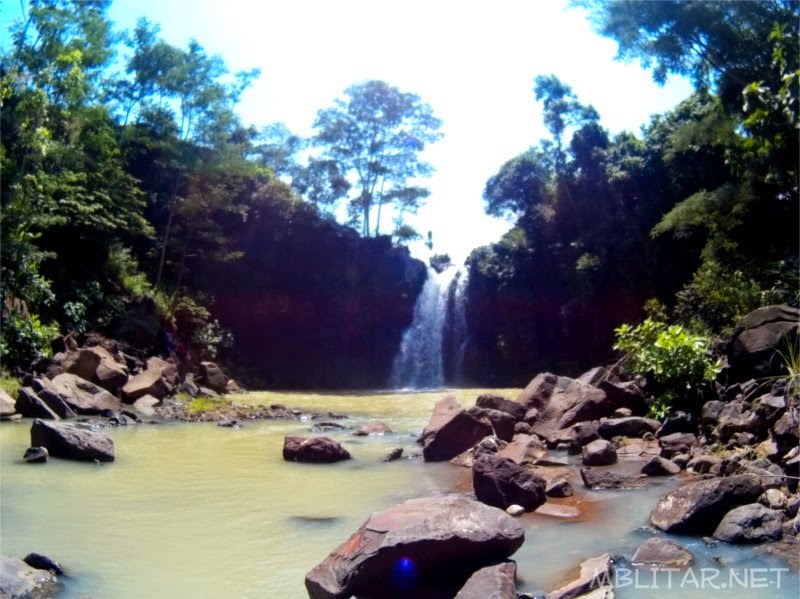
(200, 511)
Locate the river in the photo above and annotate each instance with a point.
(201, 511)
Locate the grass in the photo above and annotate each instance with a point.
(10, 385)
(200, 405)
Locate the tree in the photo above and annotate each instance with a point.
(375, 137)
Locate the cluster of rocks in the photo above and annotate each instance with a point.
(737, 459)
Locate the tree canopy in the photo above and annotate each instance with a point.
(374, 138)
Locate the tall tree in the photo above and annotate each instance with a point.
(375, 136)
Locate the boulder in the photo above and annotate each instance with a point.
(146, 405)
(42, 562)
(7, 405)
(676, 443)
(632, 426)
(36, 455)
(603, 479)
(72, 443)
(710, 412)
(752, 349)
(31, 405)
(313, 450)
(451, 431)
(538, 392)
(48, 393)
(147, 382)
(704, 463)
(658, 466)
(599, 453)
(559, 487)
(677, 422)
(732, 419)
(109, 373)
(374, 428)
(84, 397)
(416, 545)
(698, 507)
(502, 423)
(562, 402)
(495, 402)
(393, 454)
(82, 363)
(212, 376)
(595, 573)
(752, 523)
(18, 580)
(493, 582)
(523, 449)
(657, 551)
(500, 482)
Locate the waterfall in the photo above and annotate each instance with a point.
(419, 364)
(458, 333)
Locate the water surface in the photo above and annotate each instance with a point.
(201, 511)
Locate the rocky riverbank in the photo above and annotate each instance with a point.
(734, 461)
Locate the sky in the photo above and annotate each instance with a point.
(473, 61)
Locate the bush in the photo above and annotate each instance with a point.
(23, 340)
(676, 361)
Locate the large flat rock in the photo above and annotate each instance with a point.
(416, 545)
(70, 442)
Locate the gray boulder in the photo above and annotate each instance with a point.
(70, 442)
(148, 382)
(753, 523)
(18, 580)
(677, 443)
(495, 582)
(414, 546)
(500, 482)
(451, 431)
(35, 455)
(212, 376)
(599, 453)
(658, 466)
(753, 348)
(313, 450)
(632, 426)
(603, 479)
(698, 507)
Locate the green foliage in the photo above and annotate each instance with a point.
(204, 405)
(10, 384)
(194, 325)
(23, 340)
(675, 359)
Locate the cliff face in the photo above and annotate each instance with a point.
(312, 304)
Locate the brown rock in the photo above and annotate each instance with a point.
(84, 397)
(495, 582)
(412, 546)
(314, 450)
(500, 482)
(657, 551)
(451, 431)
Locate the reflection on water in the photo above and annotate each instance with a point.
(196, 510)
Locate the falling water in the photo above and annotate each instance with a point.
(458, 317)
(419, 364)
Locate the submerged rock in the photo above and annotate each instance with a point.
(314, 450)
(36, 455)
(402, 551)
